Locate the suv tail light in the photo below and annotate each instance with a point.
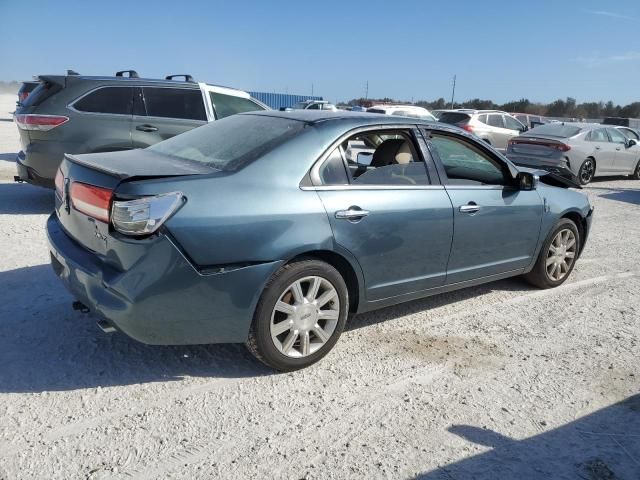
(145, 215)
(42, 123)
(91, 200)
(467, 128)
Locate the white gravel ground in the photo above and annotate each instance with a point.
(499, 381)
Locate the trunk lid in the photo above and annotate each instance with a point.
(544, 147)
(107, 171)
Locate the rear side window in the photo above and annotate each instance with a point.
(332, 171)
(113, 100)
(495, 120)
(174, 103)
(454, 118)
(598, 135)
(226, 105)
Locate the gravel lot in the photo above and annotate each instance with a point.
(499, 381)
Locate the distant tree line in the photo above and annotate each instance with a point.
(557, 108)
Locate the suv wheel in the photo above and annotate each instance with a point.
(300, 315)
(587, 171)
(557, 256)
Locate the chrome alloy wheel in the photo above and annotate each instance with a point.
(561, 254)
(305, 316)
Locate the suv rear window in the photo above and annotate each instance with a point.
(231, 143)
(40, 94)
(114, 100)
(559, 130)
(226, 105)
(454, 118)
(174, 103)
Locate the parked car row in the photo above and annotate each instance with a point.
(84, 114)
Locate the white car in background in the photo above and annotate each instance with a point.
(403, 111)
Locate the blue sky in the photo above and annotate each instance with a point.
(499, 50)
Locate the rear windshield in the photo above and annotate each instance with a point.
(454, 118)
(231, 143)
(40, 93)
(559, 130)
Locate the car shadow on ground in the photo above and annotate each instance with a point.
(626, 195)
(604, 445)
(47, 346)
(25, 199)
(515, 284)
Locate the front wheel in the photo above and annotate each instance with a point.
(557, 256)
(587, 171)
(300, 315)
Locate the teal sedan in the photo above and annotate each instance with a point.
(271, 228)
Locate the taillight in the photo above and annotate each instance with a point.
(145, 215)
(91, 200)
(23, 96)
(42, 123)
(467, 128)
(59, 183)
(561, 147)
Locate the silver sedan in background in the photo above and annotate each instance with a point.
(586, 150)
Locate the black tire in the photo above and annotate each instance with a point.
(587, 171)
(636, 173)
(539, 276)
(260, 342)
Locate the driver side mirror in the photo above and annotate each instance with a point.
(364, 158)
(631, 142)
(527, 181)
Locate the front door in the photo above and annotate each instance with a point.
(387, 213)
(626, 157)
(496, 225)
(164, 112)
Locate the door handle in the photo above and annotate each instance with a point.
(471, 207)
(352, 213)
(147, 128)
(597, 147)
(618, 149)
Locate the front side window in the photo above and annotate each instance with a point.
(630, 134)
(174, 103)
(226, 105)
(512, 123)
(113, 100)
(616, 136)
(466, 164)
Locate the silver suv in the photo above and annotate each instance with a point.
(493, 126)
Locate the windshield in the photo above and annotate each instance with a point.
(231, 143)
(454, 118)
(559, 130)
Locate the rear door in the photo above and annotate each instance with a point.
(102, 120)
(496, 225)
(387, 213)
(164, 112)
(604, 150)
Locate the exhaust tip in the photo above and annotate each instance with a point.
(105, 326)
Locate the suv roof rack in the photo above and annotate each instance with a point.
(187, 77)
(132, 73)
(72, 72)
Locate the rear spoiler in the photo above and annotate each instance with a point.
(60, 80)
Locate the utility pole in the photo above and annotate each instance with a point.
(453, 92)
(312, 89)
(366, 90)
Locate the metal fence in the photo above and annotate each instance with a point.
(279, 100)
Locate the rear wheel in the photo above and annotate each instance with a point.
(300, 315)
(587, 171)
(557, 256)
(636, 173)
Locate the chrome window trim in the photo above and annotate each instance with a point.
(314, 172)
(71, 105)
(323, 188)
(479, 187)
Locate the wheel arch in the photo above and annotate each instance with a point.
(345, 267)
(580, 222)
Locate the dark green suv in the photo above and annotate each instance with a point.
(81, 114)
